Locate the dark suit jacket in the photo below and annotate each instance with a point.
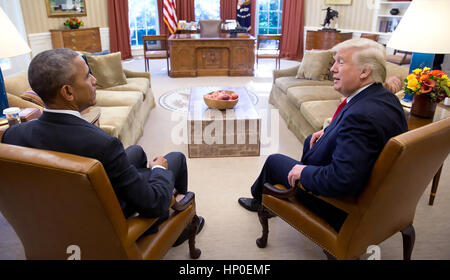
(340, 162)
(69, 134)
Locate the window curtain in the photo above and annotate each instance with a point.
(228, 9)
(119, 30)
(185, 11)
(253, 15)
(292, 28)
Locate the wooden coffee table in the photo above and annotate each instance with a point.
(228, 133)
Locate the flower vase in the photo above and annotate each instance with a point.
(422, 106)
(73, 27)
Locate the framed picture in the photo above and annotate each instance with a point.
(64, 8)
(338, 2)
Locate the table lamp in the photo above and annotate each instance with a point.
(11, 44)
(423, 31)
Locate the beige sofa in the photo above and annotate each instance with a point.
(308, 105)
(124, 109)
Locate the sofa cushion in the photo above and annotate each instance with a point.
(396, 70)
(107, 98)
(284, 83)
(16, 101)
(316, 65)
(299, 95)
(107, 69)
(316, 112)
(17, 84)
(394, 84)
(133, 84)
(31, 96)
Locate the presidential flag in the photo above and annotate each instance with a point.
(170, 15)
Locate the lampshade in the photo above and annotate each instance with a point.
(11, 43)
(423, 28)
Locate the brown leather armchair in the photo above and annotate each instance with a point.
(386, 206)
(54, 200)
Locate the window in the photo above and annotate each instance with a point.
(270, 16)
(207, 9)
(143, 16)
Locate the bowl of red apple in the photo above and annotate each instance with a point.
(221, 99)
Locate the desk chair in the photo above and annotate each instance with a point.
(269, 52)
(401, 58)
(54, 200)
(386, 206)
(155, 47)
(210, 28)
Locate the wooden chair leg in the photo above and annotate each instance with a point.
(330, 257)
(409, 237)
(193, 227)
(434, 186)
(263, 219)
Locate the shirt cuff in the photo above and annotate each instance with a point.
(158, 166)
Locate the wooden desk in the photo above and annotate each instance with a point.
(325, 39)
(442, 112)
(192, 55)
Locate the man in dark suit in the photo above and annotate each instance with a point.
(337, 160)
(62, 79)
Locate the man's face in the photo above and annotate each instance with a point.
(83, 88)
(347, 78)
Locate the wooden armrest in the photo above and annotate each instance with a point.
(347, 204)
(137, 226)
(278, 192)
(183, 201)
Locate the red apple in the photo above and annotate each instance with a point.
(224, 96)
(234, 96)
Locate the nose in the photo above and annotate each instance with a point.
(333, 68)
(93, 79)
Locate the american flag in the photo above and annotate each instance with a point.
(169, 15)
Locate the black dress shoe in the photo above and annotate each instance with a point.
(185, 234)
(252, 204)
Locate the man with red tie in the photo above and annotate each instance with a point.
(337, 160)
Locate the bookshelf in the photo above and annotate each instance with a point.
(383, 21)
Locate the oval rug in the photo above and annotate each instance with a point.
(178, 99)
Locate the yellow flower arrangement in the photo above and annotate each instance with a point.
(433, 83)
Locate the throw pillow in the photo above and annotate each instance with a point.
(393, 84)
(316, 65)
(107, 69)
(31, 96)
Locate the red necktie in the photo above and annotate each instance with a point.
(343, 103)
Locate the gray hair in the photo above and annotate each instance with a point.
(50, 70)
(369, 54)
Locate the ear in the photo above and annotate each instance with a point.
(365, 73)
(66, 93)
